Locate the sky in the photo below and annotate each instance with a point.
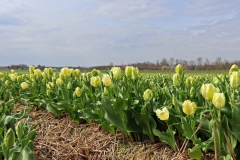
(99, 32)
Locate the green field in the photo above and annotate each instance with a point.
(144, 71)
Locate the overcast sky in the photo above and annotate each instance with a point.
(97, 32)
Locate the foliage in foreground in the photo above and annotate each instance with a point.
(201, 110)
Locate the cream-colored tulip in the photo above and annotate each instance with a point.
(219, 100)
(162, 114)
(24, 85)
(189, 108)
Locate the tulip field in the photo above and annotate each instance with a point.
(200, 110)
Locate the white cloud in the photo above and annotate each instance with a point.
(90, 33)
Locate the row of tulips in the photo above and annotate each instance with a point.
(200, 110)
(16, 137)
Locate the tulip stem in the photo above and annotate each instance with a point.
(215, 139)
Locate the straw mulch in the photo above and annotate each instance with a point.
(62, 139)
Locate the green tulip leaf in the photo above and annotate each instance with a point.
(195, 153)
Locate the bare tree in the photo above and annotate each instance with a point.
(199, 61)
(164, 62)
(171, 61)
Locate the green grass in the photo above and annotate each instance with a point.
(16, 70)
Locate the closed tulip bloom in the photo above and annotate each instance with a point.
(24, 85)
(174, 101)
(31, 69)
(189, 108)
(69, 85)
(12, 71)
(177, 79)
(234, 68)
(208, 90)
(135, 73)
(37, 72)
(65, 72)
(9, 139)
(234, 79)
(95, 81)
(128, 71)
(19, 130)
(219, 100)
(178, 69)
(1, 74)
(215, 80)
(95, 72)
(50, 85)
(105, 91)
(107, 80)
(77, 72)
(148, 95)
(189, 81)
(59, 82)
(13, 76)
(117, 73)
(162, 114)
(78, 92)
(7, 83)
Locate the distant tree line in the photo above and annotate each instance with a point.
(169, 64)
(165, 64)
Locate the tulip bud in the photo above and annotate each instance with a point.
(189, 81)
(9, 139)
(50, 72)
(48, 92)
(31, 76)
(117, 73)
(31, 69)
(147, 95)
(177, 79)
(192, 92)
(219, 100)
(135, 73)
(128, 71)
(50, 85)
(13, 76)
(178, 69)
(162, 114)
(12, 71)
(69, 85)
(107, 80)
(105, 91)
(208, 90)
(94, 72)
(65, 72)
(234, 79)
(174, 101)
(7, 83)
(215, 80)
(78, 92)
(59, 82)
(77, 72)
(34, 82)
(1, 74)
(221, 76)
(19, 130)
(37, 72)
(189, 108)
(61, 75)
(24, 85)
(95, 81)
(234, 68)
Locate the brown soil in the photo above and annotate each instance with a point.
(62, 139)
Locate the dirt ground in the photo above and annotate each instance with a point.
(62, 139)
